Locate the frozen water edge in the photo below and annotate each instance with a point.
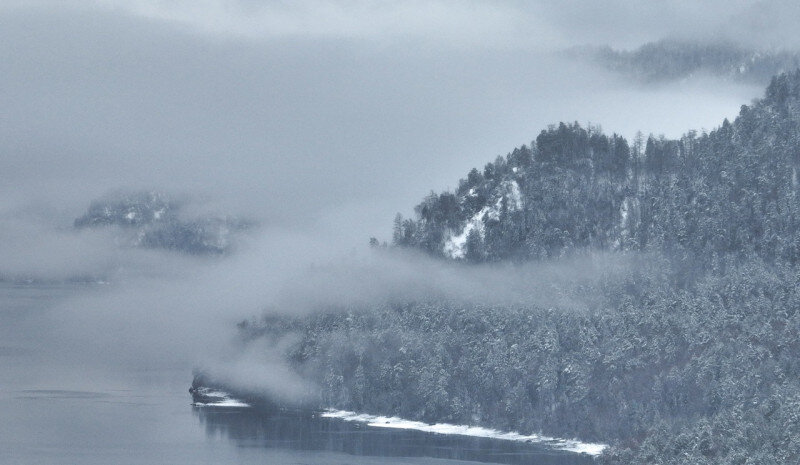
(570, 445)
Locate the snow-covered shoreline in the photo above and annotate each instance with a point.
(569, 445)
(220, 399)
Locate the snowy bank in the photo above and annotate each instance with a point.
(570, 445)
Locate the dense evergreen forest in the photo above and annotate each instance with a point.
(691, 354)
(704, 200)
(670, 60)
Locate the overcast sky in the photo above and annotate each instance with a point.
(510, 23)
(325, 114)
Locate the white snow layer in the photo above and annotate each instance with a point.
(223, 403)
(570, 445)
(455, 245)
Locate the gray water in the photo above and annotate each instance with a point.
(57, 410)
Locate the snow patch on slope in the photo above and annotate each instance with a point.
(513, 195)
(626, 226)
(455, 244)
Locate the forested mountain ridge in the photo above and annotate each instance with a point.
(705, 198)
(670, 60)
(685, 354)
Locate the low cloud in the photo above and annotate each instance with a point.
(319, 120)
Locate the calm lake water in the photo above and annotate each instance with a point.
(56, 410)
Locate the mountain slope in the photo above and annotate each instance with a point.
(706, 198)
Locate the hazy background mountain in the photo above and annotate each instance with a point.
(153, 220)
(675, 60)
